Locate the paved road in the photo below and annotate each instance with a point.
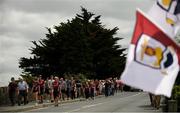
(121, 102)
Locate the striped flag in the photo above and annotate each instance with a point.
(167, 14)
(153, 59)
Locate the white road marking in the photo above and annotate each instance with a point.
(88, 106)
(131, 96)
(41, 108)
(93, 105)
(75, 110)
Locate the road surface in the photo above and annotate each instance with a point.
(120, 102)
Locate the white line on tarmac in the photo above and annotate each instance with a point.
(131, 96)
(75, 110)
(93, 105)
(88, 106)
(83, 107)
(36, 109)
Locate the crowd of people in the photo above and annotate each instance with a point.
(56, 89)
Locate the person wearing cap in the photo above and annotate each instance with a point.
(12, 87)
(22, 91)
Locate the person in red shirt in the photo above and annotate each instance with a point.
(35, 89)
(41, 84)
(121, 85)
(56, 90)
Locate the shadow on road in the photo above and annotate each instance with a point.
(147, 107)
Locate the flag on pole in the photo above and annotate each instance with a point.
(153, 59)
(167, 14)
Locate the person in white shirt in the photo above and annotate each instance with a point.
(50, 84)
(22, 91)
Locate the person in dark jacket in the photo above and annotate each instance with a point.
(12, 87)
(107, 88)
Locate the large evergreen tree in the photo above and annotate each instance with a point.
(81, 45)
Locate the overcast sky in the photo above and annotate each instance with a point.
(22, 21)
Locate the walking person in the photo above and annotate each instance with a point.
(112, 87)
(97, 90)
(121, 85)
(78, 85)
(56, 90)
(68, 91)
(107, 88)
(50, 84)
(100, 87)
(22, 91)
(92, 89)
(116, 85)
(151, 99)
(87, 91)
(41, 89)
(63, 88)
(12, 87)
(156, 101)
(73, 89)
(47, 89)
(35, 90)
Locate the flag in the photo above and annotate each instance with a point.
(153, 59)
(167, 14)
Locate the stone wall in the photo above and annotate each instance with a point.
(4, 99)
(4, 96)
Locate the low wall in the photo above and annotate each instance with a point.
(4, 99)
(4, 96)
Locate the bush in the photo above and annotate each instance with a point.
(176, 92)
(176, 95)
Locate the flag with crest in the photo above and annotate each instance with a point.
(167, 14)
(153, 58)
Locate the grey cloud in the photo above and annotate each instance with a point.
(22, 21)
(43, 6)
(121, 9)
(2, 2)
(116, 8)
(31, 25)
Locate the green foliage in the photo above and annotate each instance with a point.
(79, 76)
(28, 78)
(81, 45)
(176, 92)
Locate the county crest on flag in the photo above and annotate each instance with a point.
(153, 59)
(167, 14)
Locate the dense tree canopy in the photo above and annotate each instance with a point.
(81, 45)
